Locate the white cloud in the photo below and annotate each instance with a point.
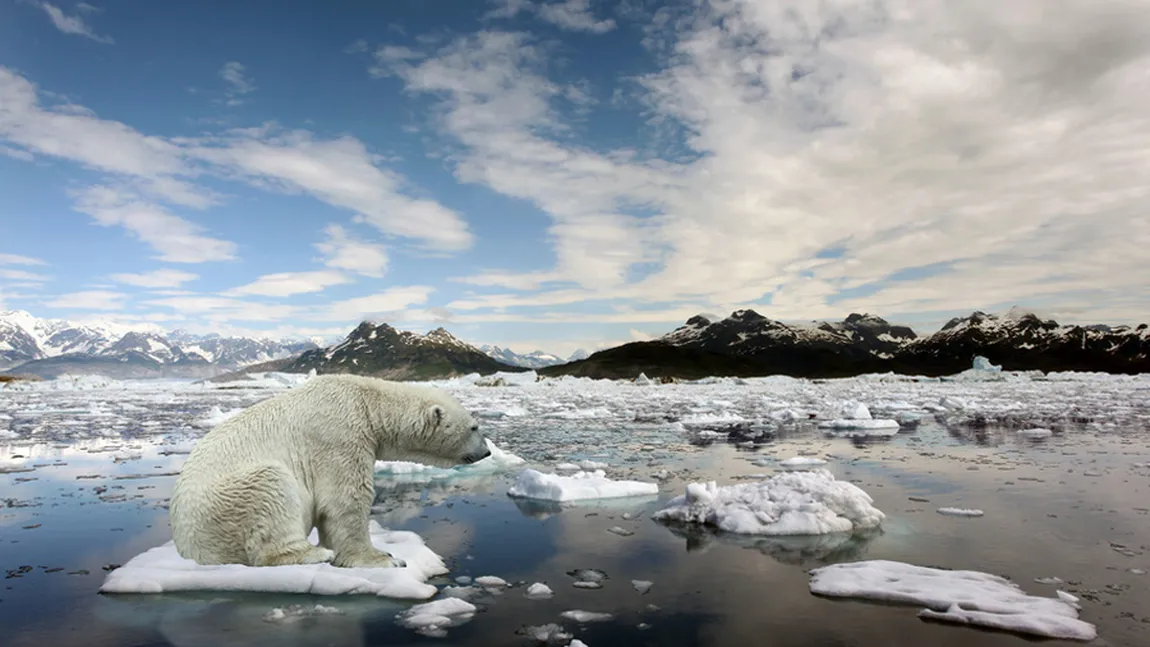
(17, 259)
(233, 73)
(21, 275)
(221, 310)
(286, 284)
(574, 15)
(571, 15)
(997, 141)
(89, 300)
(390, 301)
(17, 154)
(353, 255)
(177, 240)
(156, 279)
(73, 24)
(340, 172)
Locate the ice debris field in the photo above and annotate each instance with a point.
(589, 447)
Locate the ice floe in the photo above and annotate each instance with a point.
(582, 485)
(499, 460)
(162, 570)
(790, 503)
(968, 597)
(960, 512)
(435, 617)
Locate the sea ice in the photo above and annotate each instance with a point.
(297, 611)
(961, 512)
(1035, 432)
(856, 416)
(578, 615)
(539, 591)
(802, 461)
(790, 503)
(532, 484)
(162, 570)
(491, 581)
(967, 597)
(215, 416)
(432, 618)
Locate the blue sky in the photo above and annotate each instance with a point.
(573, 173)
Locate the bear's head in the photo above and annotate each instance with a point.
(450, 437)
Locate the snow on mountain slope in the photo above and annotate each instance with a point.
(534, 359)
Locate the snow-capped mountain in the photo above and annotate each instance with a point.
(383, 351)
(534, 359)
(747, 343)
(49, 347)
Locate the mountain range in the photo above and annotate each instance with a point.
(51, 347)
(744, 343)
(747, 343)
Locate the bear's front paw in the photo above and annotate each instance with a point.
(377, 559)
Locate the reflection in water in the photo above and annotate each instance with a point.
(795, 550)
(538, 509)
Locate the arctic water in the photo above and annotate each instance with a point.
(87, 466)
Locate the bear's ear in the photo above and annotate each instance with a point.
(435, 415)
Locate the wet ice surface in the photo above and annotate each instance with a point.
(85, 476)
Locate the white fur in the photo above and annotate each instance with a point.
(254, 486)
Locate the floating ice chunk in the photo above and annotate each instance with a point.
(579, 615)
(539, 591)
(880, 427)
(802, 461)
(642, 586)
(855, 411)
(491, 581)
(162, 570)
(982, 364)
(707, 418)
(582, 465)
(8, 434)
(955, 596)
(643, 380)
(791, 503)
(547, 633)
(1035, 432)
(575, 642)
(498, 460)
(215, 416)
(961, 512)
(532, 484)
(297, 611)
(433, 618)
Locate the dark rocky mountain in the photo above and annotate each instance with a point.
(534, 359)
(383, 351)
(748, 344)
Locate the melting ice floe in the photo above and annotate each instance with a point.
(791, 503)
(533, 484)
(435, 617)
(965, 597)
(961, 512)
(162, 570)
(856, 418)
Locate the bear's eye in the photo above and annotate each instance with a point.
(474, 427)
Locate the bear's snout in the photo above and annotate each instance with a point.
(475, 457)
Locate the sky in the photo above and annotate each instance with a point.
(571, 173)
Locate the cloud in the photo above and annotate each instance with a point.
(17, 154)
(17, 259)
(89, 300)
(996, 143)
(73, 24)
(571, 15)
(21, 275)
(346, 253)
(177, 240)
(389, 302)
(220, 309)
(156, 279)
(286, 284)
(340, 172)
(233, 73)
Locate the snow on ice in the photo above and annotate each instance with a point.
(499, 460)
(435, 617)
(967, 597)
(790, 503)
(162, 570)
(961, 512)
(582, 485)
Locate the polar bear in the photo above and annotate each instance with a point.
(253, 487)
